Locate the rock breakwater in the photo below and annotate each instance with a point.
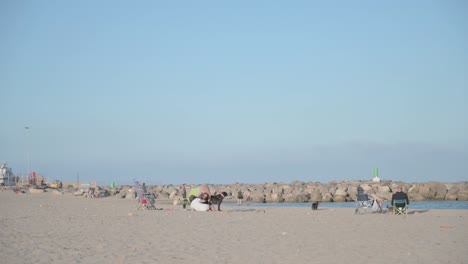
(296, 191)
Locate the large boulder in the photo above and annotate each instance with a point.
(315, 196)
(341, 191)
(452, 192)
(413, 193)
(298, 186)
(393, 187)
(286, 189)
(289, 198)
(327, 197)
(367, 188)
(440, 190)
(310, 188)
(339, 198)
(352, 192)
(323, 188)
(121, 194)
(340, 194)
(462, 194)
(173, 194)
(131, 194)
(456, 191)
(276, 198)
(301, 197)
(384, 192)
(429, 191)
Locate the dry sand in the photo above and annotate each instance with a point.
(48, 228)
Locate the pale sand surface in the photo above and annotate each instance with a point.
(48, 228)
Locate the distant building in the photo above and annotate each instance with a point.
(6, 176)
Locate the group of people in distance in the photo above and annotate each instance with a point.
(241, 195)
(200, 197)
(398, 195)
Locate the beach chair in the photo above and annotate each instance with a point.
(363, 204)
(400, 207)
(184, 202)
(145, 200)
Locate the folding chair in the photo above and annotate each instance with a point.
(184, 202)
(363, 204)
(145, 200)
(400, 207)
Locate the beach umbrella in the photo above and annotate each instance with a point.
(194, 191)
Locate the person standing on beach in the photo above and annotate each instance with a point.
(184, 191)
(184, 196)
(239, 197)
(248, 196)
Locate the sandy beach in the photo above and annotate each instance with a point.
(51, 228)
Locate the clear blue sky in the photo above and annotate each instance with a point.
(235, 91)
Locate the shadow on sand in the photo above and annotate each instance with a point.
(417, 211)
(243, 210)
(410, 211)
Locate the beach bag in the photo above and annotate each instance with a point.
(375, 205)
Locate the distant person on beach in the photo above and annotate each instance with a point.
(184, 196)
(264, 198)
(239, 197)
(184, 191)
(399, 195)
(248, 196)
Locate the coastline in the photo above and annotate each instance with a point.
(53, 228)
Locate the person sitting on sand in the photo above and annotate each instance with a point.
(204, 198)
(200, 196)
(201, 203)
(399, 195)
(197, 204)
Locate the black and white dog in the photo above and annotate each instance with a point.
(218, 199)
